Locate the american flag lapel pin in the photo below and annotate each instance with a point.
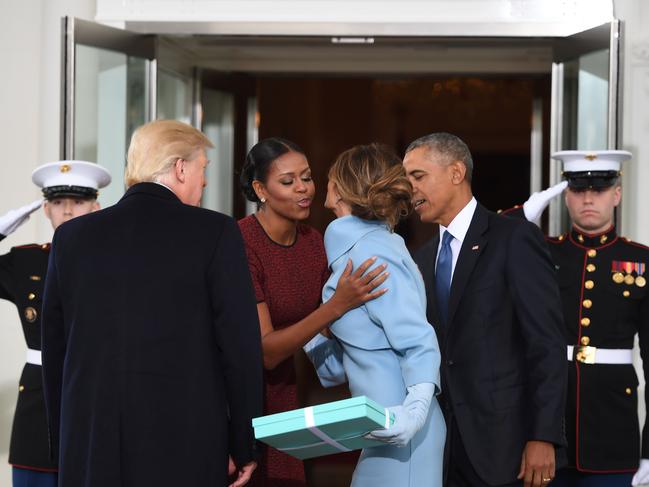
(475, 247)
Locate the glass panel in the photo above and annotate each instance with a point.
(586, 102)
(218, 125)
(583, 114)
(252, 137)
(110, 102)
(174, 96)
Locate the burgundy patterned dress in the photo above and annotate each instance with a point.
(289, 279)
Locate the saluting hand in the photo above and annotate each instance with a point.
(539, 201)
(14, 218)
(537, 464)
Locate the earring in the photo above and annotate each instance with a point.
(263, 200)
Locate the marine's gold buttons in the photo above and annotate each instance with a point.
(21, 388)
(591, 267)
(585, 340)
(589, 284)
(626, 294)
(31, 314)
(31, 296)
(580, 237)
(587, 303)
(585, 322)
(603, 239)
(628, 391)
(592, 253)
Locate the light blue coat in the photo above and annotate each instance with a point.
(381, 348)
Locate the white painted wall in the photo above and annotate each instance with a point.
(357, 17)
(635, 125)
(29, 136)
(20, 48)
(635, 129)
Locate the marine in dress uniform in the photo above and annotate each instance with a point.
(72, 184)
(603, 282)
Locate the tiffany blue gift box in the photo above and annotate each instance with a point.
(324, 429)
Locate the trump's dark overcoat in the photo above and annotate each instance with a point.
(151, 347)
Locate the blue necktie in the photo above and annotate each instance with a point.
(443, 276)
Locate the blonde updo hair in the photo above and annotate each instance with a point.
(156, 146)
(371, 179)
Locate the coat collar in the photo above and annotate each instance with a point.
(343, 233)
(592, 240)
(151, 189)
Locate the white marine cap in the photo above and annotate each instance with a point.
(70, 178)
(591, 160)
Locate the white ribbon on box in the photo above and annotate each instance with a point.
(309, 420)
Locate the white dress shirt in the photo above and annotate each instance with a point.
(458, 228)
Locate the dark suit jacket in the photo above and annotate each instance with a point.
(503, 352)
(151, 346)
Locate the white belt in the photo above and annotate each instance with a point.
(34, 357)
(594, 355)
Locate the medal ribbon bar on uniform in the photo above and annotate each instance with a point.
(628, 267)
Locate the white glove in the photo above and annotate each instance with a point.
(641, 477)
(12, 220)
(409, 417)
(539, 201)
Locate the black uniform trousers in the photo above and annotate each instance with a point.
(570, 477)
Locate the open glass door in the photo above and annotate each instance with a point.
(108, 89)
(586, 100)
(226, 111)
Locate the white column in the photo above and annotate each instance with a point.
(19, 98)
(635, 14)
(635, 130)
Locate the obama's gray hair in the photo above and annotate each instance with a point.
(449, 146)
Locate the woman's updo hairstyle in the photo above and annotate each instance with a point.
(259, 160)
(371, 179)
